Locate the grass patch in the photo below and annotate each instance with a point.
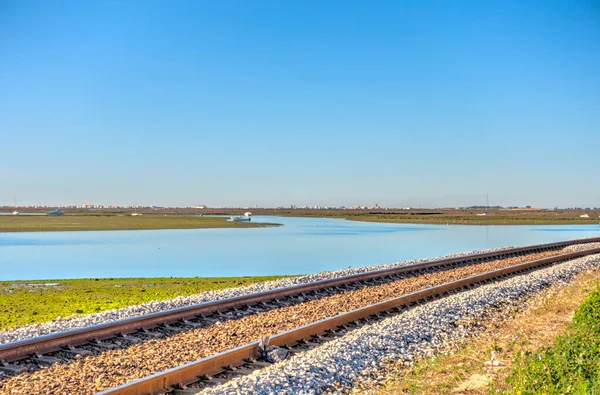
(458, 217)
(30, 302)
(34, 223)
(464, 370)
(461, 218)
(572, 364)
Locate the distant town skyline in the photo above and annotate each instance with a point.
(375, 206)
(238, 103)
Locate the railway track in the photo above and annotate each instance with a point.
(217, 369)
(18, 357)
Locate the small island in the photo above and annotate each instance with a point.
(116, 221)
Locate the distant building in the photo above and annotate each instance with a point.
(55, 212)
(200, 206)
(584, 216)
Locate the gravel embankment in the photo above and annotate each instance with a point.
(65, 324)
(362, 355)
(115, 367)
(580, 247)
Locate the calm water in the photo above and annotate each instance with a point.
(303, 245)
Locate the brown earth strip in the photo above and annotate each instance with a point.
(95, 373)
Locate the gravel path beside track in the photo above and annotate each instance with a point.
(362, 355)
(580, 247)
(95, 373)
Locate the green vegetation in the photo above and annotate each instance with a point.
(497, 217)
(572, 364)
(33, 223)
(113, 219)
(29, 302)
(467, 216)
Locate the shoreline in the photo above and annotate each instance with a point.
(113, 222)
(469, 222)
(107, 222)
(176, 218)
(27, 302)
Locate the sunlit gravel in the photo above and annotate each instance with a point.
(359, 357)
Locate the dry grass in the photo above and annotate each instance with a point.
(464, 371)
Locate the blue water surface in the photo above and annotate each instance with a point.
(302, 245)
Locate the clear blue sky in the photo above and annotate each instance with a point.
(300, 102)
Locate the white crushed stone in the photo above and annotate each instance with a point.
(362, 355)
(581, 247)
(80, 321)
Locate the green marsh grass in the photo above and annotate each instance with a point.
(33, 223)
(30, 302)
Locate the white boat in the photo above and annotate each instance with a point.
(247, 217)
(15, 212)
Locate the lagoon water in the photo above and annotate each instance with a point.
(302, 245)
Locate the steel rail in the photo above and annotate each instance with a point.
(22, 349)
(194, 371)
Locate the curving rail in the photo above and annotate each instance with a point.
(36, 347)
(238, 360)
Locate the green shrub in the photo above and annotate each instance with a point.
(572, 364)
